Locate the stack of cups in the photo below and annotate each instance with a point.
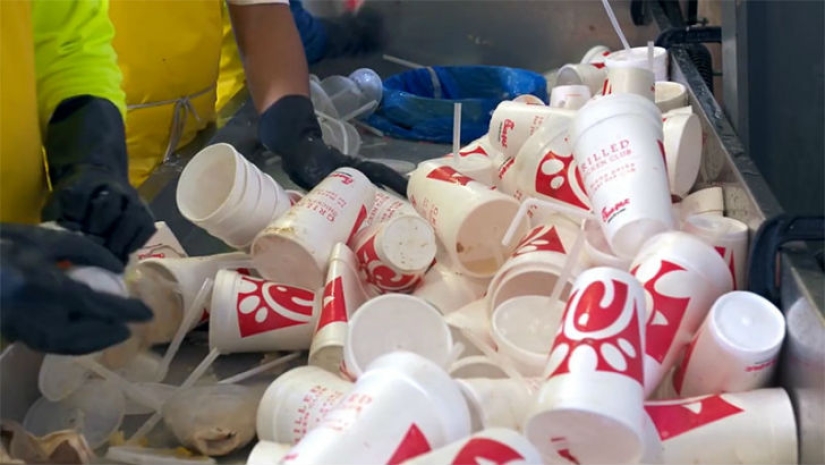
(468, 217)
(637, 81)
(682, 277)
(683, 151)
(403, 406)
(513, 122)
(589, 410)
(295, 248)
(617, 144)
(343, 294)
(571, 97)
(637, 57)
(229, 197)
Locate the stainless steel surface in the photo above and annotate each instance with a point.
(734, 53)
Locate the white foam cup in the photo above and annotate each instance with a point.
(589, 409)
(617, 144)
(729, 237)
(529, 99)
(496, 402)
(683, 151)
(474, 319)
(513, 122)
(493, 445)
(295, 248)
(296, 402)
(468, 217)
(267, 453)
(735, 350)
(598, 251)
(629, 81)
(682, 277)
(707, 201)
(523, 329)
(386, 207)
(447, 290)
(396, 322)
(163, 244)
(254, 315)
(403, 406)
(745, 427)
(571, 97)
(474, 165)
(587, 74)
(475, 366)
(670, 96)
(294, 196)
(596, 54)
(637, 57)
(343, 293)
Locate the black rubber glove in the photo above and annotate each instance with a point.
(354, 34)
(48, 311)
(290, 129)
(88, 168)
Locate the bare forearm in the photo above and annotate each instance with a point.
(272, 52)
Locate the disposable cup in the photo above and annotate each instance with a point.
(589, 410)
(344, 94)
(529, 99)
(295, 248)
(163, 244)
(396, 322)
(746, 427)
(729, 237)
(523, 329)
(685, 110)
(590, 75)
(341, 135)
(571, 97)
(60, 376)
(320, 100)
(683, 151)
(394, 255)
(403, 406)
(474, 165)
(267, 453)
(670, 96)
(476, 366)
(637, 57)
(386, 207)
(294, 196)
(682, 277)
(617, 144)
(636, 81)
(735, 350)
(448, 290)
(474, 319)
(223, 169)
(493, 445)
(296, 402)
(496, 403)
(468, 217)
(254, 315)
(596, 54)
(513, 122)
(598, 251)
(169, 286)
(707, 201)
(342, 295)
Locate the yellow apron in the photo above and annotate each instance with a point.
(169, 52)
(22, 170)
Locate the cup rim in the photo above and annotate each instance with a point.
(190, 178)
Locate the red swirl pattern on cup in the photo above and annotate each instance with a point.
(264, 306)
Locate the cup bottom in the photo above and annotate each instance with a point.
(286, 261)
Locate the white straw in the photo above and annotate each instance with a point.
(456, 132)
(615, 23)
(402, 62)
(650, 55)
(190, 314)
(553, 205)
(259, 369)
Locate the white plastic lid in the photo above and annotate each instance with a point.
(748, 322)
(60, 376)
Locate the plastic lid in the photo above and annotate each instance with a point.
(748, 322)
(147, 456)
(60, 376)
(96, 410)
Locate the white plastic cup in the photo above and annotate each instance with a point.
(682, 277)
(630, 81)
(513, 122)
(403, 406)
(468, 217)
(636, 57)
(545, 167)
(707, 201)
(163, 244)
(588, 74)
(254, 315)
(386, 207)
(571, 97)
(476, 366)
(447, 290)
(523, 329)
(670, 96)
(590, 407)
(729, 237)
(493, 445)
(294, 196)
(476, 166)
(535, 265)
(683, 151)
(617, 144)
(596, 54)
(746, 427)
(342, 295)
(267, 453)
(173, 284)
(735, 350)
(597, 249)
(493, 403)
(296, 402)
(396, 322)
(394, 255)
(472, 318)
(295, 248)
(529, 99)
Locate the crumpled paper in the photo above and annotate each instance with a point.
(19, 446)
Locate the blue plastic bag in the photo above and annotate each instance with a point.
(418, 104)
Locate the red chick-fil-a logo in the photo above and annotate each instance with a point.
(505, 128)
(667, 311)
(608, 213)
(263, 306)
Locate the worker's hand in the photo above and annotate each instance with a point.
(354, 34)
(86, 152)
(102, 206)
(47, 310)
(290, 129)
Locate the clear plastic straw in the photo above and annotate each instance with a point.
(128, 388)
(196, 374)
(615, 23)
(369, 128)
(189, 316)
(569, 264)
(360, 111)
(456, 132)
(259, 369)
(402, 62)
(531, 202)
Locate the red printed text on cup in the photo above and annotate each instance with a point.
(263, 306)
